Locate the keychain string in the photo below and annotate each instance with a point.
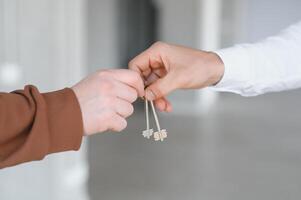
(160, 134)
(155, 116)
(146, 114)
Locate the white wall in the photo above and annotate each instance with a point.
(44, 39)
(102, 18)
(252, 20)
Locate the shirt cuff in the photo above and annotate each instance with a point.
(65, 120)
(235, 60)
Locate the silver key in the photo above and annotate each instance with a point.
(161, 134)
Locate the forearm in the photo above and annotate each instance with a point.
(268, 66)
(33, 125)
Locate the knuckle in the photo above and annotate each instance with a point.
(106, 85)
(109, 112)
(137, 80)
(135, 96)
(135, 77)
(132, 64)
(121, 125)
(104, 120)
(160, 45)
(130, 109)
(108, 102)
(105, 115)
(104, 73)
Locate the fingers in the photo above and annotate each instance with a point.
(161, 87)
(130, 78)
(125, 92)
(117, 123)
(163, 105)
(123, 108)
(155, 75)
(154, 66)
(141, 63)
(149, 60)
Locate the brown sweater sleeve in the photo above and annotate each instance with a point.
(33, 125)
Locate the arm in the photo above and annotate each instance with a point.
(271, 65)
(248, 69)
(33, 125)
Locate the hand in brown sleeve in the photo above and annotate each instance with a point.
(33, 125)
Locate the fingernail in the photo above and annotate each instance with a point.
(149, 95)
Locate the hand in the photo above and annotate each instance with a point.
(106, 98)
(166, 68)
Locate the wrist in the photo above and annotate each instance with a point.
(78, 97)
(216, 68)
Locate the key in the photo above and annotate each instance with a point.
(161, 134)
(148, 132)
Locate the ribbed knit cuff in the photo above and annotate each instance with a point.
(65, 120)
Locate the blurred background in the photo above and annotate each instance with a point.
(220, 146)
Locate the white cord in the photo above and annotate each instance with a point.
(155, 116)
(146, 114)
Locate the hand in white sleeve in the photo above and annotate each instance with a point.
(271, 65)
(167, 67)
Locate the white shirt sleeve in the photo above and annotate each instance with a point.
(271, 65)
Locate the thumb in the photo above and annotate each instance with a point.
(160, 88)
